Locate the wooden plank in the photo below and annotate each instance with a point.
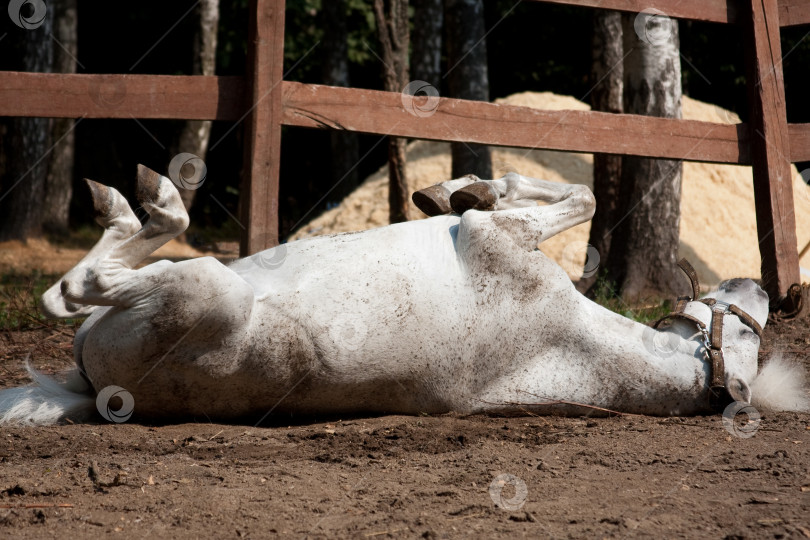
(799, 142)
(794, 12)
(383, 113)
(63, 95)
(791, 12)
(259, 194)
(770, 152)
(217, 98)
(720, 11)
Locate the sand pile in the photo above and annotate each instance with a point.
(718, 224)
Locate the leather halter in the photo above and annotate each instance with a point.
(713, 336)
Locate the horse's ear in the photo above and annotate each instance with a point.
(738, 389)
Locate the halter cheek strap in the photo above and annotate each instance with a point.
(712, 339)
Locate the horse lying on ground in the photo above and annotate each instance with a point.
(458, 312)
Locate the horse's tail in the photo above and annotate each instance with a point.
(47, 401)
(781, 386)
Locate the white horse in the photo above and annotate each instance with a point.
(458, 312)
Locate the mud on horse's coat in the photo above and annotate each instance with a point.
(456, 312)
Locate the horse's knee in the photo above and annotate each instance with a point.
(95, 285)
(583, 195)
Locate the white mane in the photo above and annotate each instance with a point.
(781, 386)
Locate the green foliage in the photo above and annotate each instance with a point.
(232, 38)
(19, 301)
(362, 31)
(305, 29)
(604, 294)
(302, 33)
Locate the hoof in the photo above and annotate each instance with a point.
(477, 196)
(433, 201)
(102, 199)
(112, 210)
(148, 185)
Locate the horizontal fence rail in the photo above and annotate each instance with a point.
(70, 95)
(791, 12)
(195, 97)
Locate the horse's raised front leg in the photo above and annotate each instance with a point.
(471, 193)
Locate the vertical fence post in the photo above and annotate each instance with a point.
(770, 152)
(259, 190)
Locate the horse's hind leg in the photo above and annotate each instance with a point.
(435, 200)
(103, 282)
(471, 193)
(570, 205)
(511, 191)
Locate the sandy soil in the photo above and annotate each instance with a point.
(402, 477)
(48, 258)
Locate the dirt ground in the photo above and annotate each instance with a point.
(401, 477)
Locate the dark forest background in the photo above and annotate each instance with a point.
(530, 46)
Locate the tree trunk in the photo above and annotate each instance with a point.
(394, 33)
(467, 76)
(644, 249)
(27, 145)
(59, 182)
(426, 48)
(606, 96)
(344, 144)
(195, 133)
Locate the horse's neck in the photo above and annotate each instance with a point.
(666, 382)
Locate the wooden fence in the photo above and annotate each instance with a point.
(264, 102)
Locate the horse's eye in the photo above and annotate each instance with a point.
(748, 335)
